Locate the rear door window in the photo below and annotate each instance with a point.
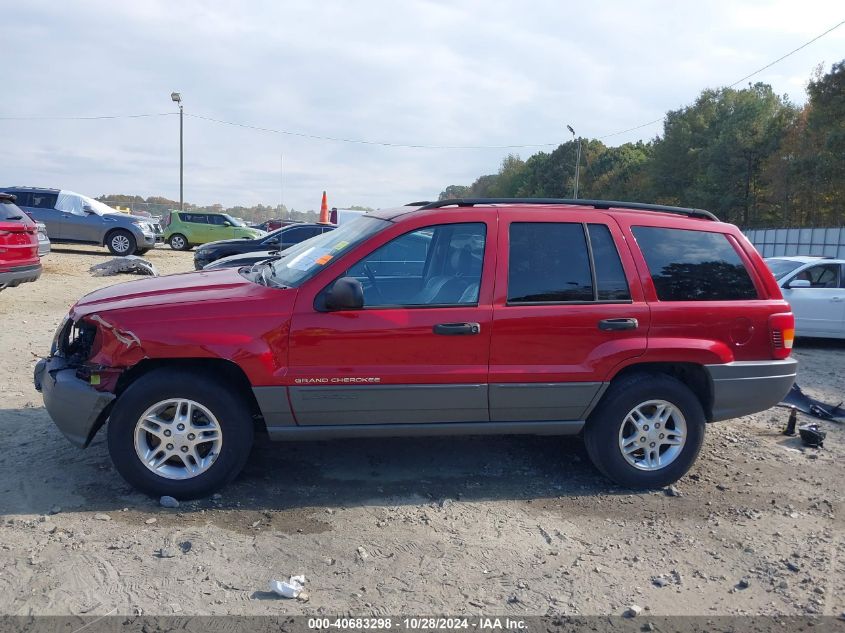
(549, 263)
(688, 265)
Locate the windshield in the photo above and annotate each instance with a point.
(233, 221)
(96, 206)
(304, 260)
(782, 267)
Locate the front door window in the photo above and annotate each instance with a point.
(434, 266)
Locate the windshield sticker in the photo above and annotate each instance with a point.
(306, 260)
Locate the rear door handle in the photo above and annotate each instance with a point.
(455, 329)
(618, 324)
(836, 299)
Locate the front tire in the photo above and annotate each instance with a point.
(646, 432)
(179, 433)
(179, 242)
(121, 243)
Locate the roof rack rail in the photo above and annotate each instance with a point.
(596, 204)
(419, 204)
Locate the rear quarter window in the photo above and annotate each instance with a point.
(43, 200)
(9, 210)
(688, 265)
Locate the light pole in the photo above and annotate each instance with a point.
(177, 98)
(577, 163)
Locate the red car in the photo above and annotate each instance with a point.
(19, 261)
(635, 325)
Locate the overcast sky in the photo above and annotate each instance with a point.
(410, 72)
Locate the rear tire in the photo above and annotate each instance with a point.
(148, 418)
(121, 243)
(646, 432)
(179, 242)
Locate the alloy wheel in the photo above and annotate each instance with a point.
(120, 243)
(178, 439)
(652, 435)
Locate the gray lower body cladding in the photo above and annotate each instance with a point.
(744, 387)
(389, 404)
(543, 401)
(75, 406)
(329, 431)
(390, 410)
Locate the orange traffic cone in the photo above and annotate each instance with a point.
(324, 210)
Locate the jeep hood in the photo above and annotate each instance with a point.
(198, 287)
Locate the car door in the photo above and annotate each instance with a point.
(416, 353)
(568, 308)
(91, 227)
(197, 224)
(820, 309)
(216, 228)
(41, 208)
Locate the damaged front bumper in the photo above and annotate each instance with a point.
(75, 406)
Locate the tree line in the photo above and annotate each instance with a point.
(749, 155)
(161, 206)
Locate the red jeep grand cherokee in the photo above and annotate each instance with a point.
(632, 324)
(19, 261)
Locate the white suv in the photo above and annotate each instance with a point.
(815, 288)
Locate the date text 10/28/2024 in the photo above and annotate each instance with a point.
(418, 623)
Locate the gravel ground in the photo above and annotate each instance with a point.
(503, 525)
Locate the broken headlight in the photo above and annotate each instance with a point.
(74, 340)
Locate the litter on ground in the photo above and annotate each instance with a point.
(290, 588)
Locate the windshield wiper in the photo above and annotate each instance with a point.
(262, 276)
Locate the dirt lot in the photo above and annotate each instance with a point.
(510, 525)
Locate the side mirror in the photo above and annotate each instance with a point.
(88, 209)
(799, 283)
(227, 223)
(345, 294)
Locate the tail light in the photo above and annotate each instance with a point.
(782, 333)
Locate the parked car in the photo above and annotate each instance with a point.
(632, 324)
(186, 229)
(43, 239)
(272, 225)
(19, 261)
(815, 288)
(278, 240)
(244, 259)
(72, 218)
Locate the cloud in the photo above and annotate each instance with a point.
(470, 73)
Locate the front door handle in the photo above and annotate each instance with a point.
(618, 324)
(455, 329)
(836, 299)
